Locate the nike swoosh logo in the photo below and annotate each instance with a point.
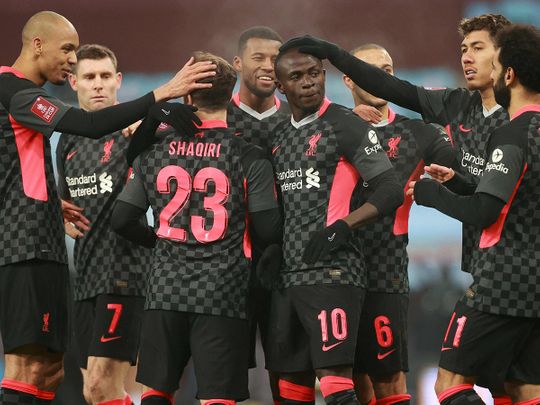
(381, 356)
(275, 148)
(331, 238)
(165, 112)
(463, 129)
(238, 133)
(326, 348)
(70, 154)
(109, 339)
(446, 348)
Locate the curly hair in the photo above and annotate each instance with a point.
(520, 49)
(492, 23)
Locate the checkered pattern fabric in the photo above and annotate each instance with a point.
(193, 275)
(407, 143)
(306, 173)
(461, 112)
(92, 173)
(506, 276)
(254, 130)
(32, 224)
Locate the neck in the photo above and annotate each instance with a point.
(488, 98)
(206, 115)
(521, 98)
(255, 102)
(28, 69)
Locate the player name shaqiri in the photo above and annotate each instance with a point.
(199, 149)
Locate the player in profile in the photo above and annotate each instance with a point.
(318, 155)
(200, 188)
(254, 112)
(110, 271)
(381, 351)
(496, 325)
(33, 266)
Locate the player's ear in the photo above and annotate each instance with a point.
(72, 78)
(37, 46)
(118, 79)
(188, 99)
(237, 64)
(509, 76)
(279, 86)
(348, 82)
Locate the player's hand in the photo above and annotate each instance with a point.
(368, 113)
(71, 230)
(129, 131)
(314, 46)
(325, 241)
(424, 191)
(73, 214)
(180, 116)
(191, 77)
(439, 173)
(269, 267)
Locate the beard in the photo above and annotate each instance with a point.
(502, 93)
(261, 93)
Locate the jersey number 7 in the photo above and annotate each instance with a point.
(185, 186)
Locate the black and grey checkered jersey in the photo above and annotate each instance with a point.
(505, 266)
(318, 162)
(92, 173)
(256, 128)
(200, 190)
(32, 224)
(409, 144)
(461, 112)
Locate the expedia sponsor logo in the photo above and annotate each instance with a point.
(90, 185)
(473, 164)
(295, 179)
(372, 136)
(500, 167)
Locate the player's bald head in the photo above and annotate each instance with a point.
(43, 25)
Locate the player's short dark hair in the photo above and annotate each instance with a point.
(520, 49)
(95, 52)
(492, 23)
(367, 47)
(218, 96)
(260, 32)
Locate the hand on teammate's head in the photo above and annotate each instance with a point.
(312, 45)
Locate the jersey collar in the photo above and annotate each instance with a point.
(527, 108)
(9, 69)
(310, 118)
(212, 124)
(252, 112)
(389, 120)
(487, 112)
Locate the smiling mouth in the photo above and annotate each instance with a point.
(267, 79)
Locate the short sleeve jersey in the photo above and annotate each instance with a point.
(505, 266)
(256, 128)
(469, 125)
(200, 189)
(409, 144)
(92, 173)
(318, 162)
(32, 226)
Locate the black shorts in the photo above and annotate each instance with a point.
(313, 327)
(477, 341)
(108, 326)
(33, 304)
(259, 317)
(381, 349)
(219, 347)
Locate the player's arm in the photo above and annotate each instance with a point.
(358, 142)
(502, 174)
(434, 144)
(129, 211)
(75, 223)
(434, 105)
(263, 209)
